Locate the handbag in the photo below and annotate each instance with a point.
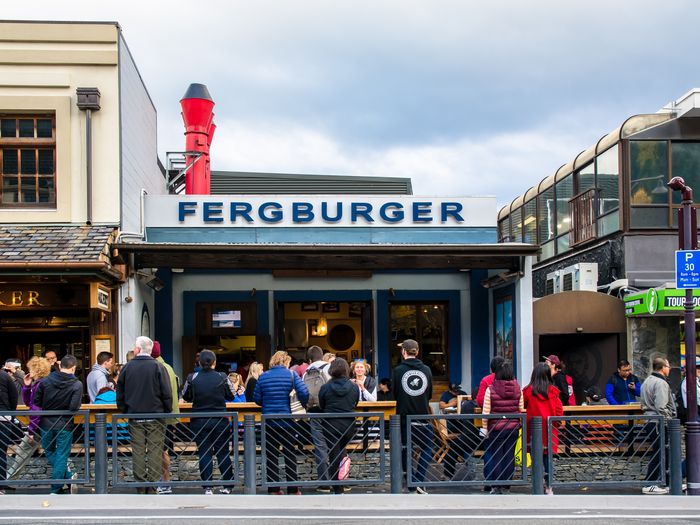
(295, 405)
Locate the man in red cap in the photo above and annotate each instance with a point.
(558, 377)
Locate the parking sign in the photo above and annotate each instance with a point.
(687, 268)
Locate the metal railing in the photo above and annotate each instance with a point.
(604, 451)
(453, 450)
(175, 450)
(321, 450)
(45, 448)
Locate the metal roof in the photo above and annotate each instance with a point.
(251, 183)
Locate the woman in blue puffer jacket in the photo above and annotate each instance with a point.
(272, 394)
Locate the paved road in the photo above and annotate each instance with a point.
(350, 509)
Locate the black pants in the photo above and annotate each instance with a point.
(338, 435)
(280, 436)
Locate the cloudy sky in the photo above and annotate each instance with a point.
(463, 97)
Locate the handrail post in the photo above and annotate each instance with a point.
(100, 453)
(536, 453)
(395, 448)
(674, 469)
(249, 453)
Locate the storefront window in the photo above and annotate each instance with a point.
(564, 191)
(427, 324)
(530, 222)
(516, 220)
(648, 172)
(545, 215)
(608, 174)
(685, 162)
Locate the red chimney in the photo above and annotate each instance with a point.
(197, 115)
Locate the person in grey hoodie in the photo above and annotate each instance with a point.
(98, 377)
(657, 400)
(339, 395)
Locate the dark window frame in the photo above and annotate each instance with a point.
(23, 144)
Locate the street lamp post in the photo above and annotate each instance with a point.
(689, 242)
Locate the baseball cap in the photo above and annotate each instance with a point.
(409, 344)
(455, 386)
(13, 362)
(552, 359)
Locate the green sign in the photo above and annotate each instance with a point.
(659, 301)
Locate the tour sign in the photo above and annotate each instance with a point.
(688, 269)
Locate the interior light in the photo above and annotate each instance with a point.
(322, 327)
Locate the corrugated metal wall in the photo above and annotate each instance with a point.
(239, 182)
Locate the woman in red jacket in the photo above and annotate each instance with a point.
(541, 399)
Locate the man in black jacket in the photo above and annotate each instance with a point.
(413, 387)
(143, 387)
(61, 390)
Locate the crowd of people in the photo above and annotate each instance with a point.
(323, 384)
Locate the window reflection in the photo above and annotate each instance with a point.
(427, 324)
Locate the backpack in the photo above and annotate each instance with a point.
(314, 380)
(681, 410)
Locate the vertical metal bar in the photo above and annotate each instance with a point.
(88, 162)
(675, 475)
(249, 453)
(395, 447)
(100, 452)
(536, 452)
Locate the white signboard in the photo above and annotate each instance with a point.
(266, 211)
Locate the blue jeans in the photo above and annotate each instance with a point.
(56, 444)
(422, 438)
(213, 437)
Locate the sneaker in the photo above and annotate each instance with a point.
(684, 487)
(344, 468)
(549, 491)
(654, 489)
(325, 490)
(73, 486)
(495, 490)
(165, 489)
(208, 492)
(224, 490)
(421, 490)
(347, 489)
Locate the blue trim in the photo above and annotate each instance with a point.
(190, 300)
(480, 336)
(321, 235)
(384, 298)
(163, 322)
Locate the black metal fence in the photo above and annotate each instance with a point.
(464, 450)
(160, 451)
(48, 449)
(329, 452)
(592, 450)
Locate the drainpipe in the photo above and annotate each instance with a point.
(88, 100)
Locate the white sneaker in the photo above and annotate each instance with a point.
(208, 492)
(654, 489)
(421, 490)
(74, 486)
(165, 489)
(549, 491)
(224, 490)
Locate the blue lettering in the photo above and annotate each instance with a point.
(451, 209)
(420, 209)
(395, 212)
(338, 212)
(241, 209)
(212, 212)
(275, 214)
(360, 209)
(185, 209)
(302, 212)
